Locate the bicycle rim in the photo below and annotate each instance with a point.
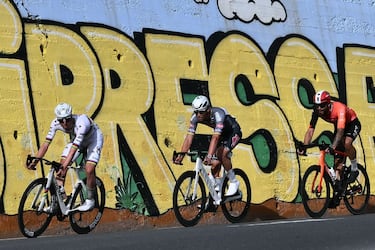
(314, 202)
(85, 222)
(188, 209)
(358, 193)
(237, 209)
(32, 222)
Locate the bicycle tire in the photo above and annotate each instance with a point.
(236, 210)
(85, 222)
(31, 222)
(315, 204)
(188, 211)
(358, 193)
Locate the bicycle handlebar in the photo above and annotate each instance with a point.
(56, 165)
(190, 153)
(321, 146)
(198, 153)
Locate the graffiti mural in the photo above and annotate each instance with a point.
(139, 87)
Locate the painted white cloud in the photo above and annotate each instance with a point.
(201, 1)
(264, 10)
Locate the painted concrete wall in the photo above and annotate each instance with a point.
(134, 67)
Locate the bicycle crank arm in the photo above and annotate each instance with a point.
(233, 197)
(74, 210)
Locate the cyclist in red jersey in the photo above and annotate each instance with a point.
(347, 128)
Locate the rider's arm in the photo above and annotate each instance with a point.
(213, 144)
(310, 131)
(41, 152)
(338, 137)
(187, 142)
(84, 124)
(340, 110)
(308, 136)
(69, 157)
(44, 147)
(184, 148)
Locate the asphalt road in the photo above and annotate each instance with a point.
(349, 232)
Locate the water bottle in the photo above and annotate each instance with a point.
(212, 179)
(62, 192)
(332, 173)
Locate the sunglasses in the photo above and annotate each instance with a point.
(322, 105)
(200, 112)
(64, 120)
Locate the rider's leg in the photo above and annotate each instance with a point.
(60, 179)
(91, 179)
(90, 185)
(227, 164)
(351, 151)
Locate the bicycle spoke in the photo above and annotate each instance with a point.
(84, 222)
(357, 193)
(33, 222)
(235, 208)
(187, 205)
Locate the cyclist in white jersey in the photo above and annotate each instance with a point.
(226, 136)
(86, 138)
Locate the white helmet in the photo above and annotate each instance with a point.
(63, 110)
(200, 103)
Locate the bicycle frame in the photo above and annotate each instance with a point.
(323, 168)
(51, 180)
(200, 169)
(322, 163)
(190, 197)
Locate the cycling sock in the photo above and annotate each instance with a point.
(354, 165)
(231, 175)
(90, 193)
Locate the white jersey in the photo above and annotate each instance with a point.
(85, 135)
(80, 135)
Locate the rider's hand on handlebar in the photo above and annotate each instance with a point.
(32, 165)
(301, 151)
(207, 160)
(177, 158)
(62, 172)
(330, 150)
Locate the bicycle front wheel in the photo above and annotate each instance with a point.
(314, 201)
(357, 194)
(188, 205)
(236, 207)
(85, 222)
(32, 220)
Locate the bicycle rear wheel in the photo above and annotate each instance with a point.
(32, 220)
(236, 207)
(189, 209)
(85, 222)
(358, 193)
(315, 202)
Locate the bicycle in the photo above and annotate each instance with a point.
(189, 194)
(42, 200)
(318, 180)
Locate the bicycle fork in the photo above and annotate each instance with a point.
(45, 192)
